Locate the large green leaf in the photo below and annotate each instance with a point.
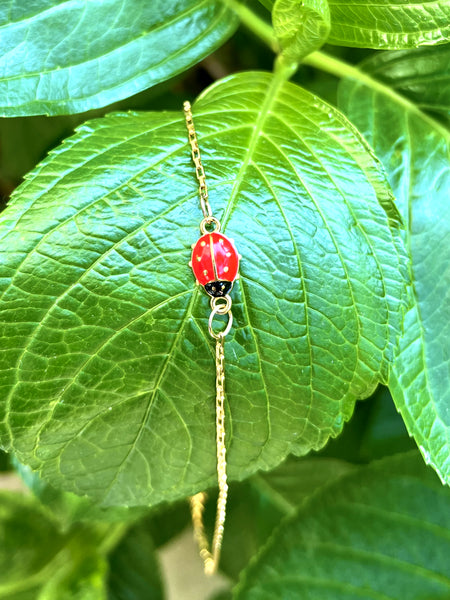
(383, 532)
(107, 373)
(38, 562)
(415, 150)
(62, 57)
(300, 27)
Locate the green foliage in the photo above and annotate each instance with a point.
(106, 368)
(41, 561)
(68, 57)
(382, 532)
(112, 342)
(389, 24)
(415, 150)
(300, 27)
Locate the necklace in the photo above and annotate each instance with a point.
(215, 263)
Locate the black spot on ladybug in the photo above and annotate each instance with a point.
(218, 289)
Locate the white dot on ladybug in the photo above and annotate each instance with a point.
(228, 254)
(225, 269)
(205, 272)
(221, 241)
(203, 243)
(199, 258)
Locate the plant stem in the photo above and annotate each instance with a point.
(251, 20)
(341, 69)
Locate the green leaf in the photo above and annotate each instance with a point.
(415, 150)
(134, 569)
(389, 24)
(106, 369)
(382, 532)
(38, 562)
(67, 57)
(300, 26)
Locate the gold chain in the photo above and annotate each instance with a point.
(211, 558)
(196, 157)
(197, 502)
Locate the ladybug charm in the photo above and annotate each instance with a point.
(215, 262)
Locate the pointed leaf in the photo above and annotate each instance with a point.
(107, 372)
(300, 26)
(67, 57)
(415, 150)
(382, 532)
(389, 24)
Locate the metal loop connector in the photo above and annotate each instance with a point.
(222, 304)
(209, 221)
(218, 310)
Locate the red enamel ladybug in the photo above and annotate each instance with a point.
(215, 262)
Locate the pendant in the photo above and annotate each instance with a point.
(215, 262)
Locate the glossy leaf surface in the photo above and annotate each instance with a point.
(300, 27)
(66, 57)
(381, 532)
(107, 372)
(415, 150)
(389, 24)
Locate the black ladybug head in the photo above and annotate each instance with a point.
(218, 289)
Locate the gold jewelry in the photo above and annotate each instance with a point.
(215, 263)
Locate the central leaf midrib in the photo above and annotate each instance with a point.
(269, 100)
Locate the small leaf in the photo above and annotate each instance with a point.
(415, 150)
(389, 24)
(67, 57)
(107, 371)
(300, 26)
(382, 532)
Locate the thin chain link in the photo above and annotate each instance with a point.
(211, 558)
(197, 502)
(196, 157)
